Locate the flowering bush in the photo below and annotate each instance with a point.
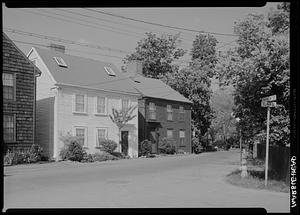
(108, 146)
(72, 149)
(145, 148)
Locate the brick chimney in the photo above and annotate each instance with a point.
(56, 47)
(134, 67)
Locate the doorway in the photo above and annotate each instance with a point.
(124, 142)
(153, 137)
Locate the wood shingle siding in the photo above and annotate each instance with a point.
(22, 106)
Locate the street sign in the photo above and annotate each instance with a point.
(269, 98)
(268, 104)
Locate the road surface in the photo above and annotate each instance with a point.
(196, 181)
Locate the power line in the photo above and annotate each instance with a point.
(131, 33)
(161, 25)
(63, 40)
(72, 50)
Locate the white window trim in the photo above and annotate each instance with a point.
(170, 138)
(14, 83)
(152, 109)
(128, 106)
(85, 103)
(96, 105)
(169, 110)
(106, 134)
(181, 113)
(85, 144)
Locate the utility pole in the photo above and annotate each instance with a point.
(268, 102)
(267, 148)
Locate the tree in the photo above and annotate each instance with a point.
(157, 54)
(121, 117)
(259, 66)
(204, 50)
(193, 83)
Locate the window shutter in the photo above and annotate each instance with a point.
(73, 102)
(95, 104)
(106, 103)
(85, 103)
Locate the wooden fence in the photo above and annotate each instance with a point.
(279, 160)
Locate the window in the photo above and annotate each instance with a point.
(182, 137)
(60, 62)
(101, 105)
(170, 133)
(8, 86)
(125, 104)
(110, 71)
(80, 132)
(169, 112)
(152, 110)
(101, 134)
(181, 113)
(79, 103)
(8, 128)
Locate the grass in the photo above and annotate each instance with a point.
(255, 179)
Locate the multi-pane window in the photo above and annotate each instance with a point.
(101, 105)
(125, 104)
(169, 112)
(101, 134)
(182, 137)
(152, 110)
(80, 133)
(8, 86)
(79, 103)
(181, 113)
(8, 128)
(170, 133)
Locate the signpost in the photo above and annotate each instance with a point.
(268, 102)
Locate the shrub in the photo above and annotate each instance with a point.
(119, 155)
(33, 155)
(103, 156)
(166, 147)
(145, 148)
(87, 158)
(72, 150)
(108, 146)
(196, 146)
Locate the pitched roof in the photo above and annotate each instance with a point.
(155, 88)
(36, 69)
(91, 73)
(85, 72)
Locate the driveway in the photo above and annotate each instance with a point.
(183, 181)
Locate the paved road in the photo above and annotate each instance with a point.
(182, 181)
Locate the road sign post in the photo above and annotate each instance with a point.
(268, 102)
(267, 148)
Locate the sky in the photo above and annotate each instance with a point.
(117, 37)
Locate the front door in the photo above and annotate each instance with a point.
(124, 142)
(154, 140)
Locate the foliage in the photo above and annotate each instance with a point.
(72, 149)
(257, 68)
(145, 148)
(121, 117)
(87, 158)
(204, 49)
(108, 146)
(103, 156)
(193, 83)
(119, 155)
(196, 146)
(166, 147)
(157, 54)
(33, 155)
